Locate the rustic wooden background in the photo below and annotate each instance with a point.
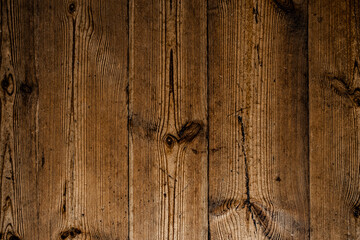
(180, 119)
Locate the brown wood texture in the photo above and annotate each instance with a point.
(168, 120)
(334, 39)
(80, 121)
(179, 119)
(258, 120)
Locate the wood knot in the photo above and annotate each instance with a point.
(356, 211)
(72, 8)
(9, 236)
(189, 131)
(342, 88)
(70, 233)
(14, 238)
(170, 140)
(356, 97)
(7, 84)
(222, 207)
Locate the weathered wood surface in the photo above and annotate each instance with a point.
(258, 120)
(179, 119)
(334, 50)
(18, 124)
(82, 117)
(168, 120)
(64, 120)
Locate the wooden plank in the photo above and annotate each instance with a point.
(258, 119)
(334, 40)
(81, 66)
(19, 98)
(168, 92)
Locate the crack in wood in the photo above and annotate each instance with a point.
(256, 12)
(247, 201)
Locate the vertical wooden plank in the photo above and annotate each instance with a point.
(19, 98)
(168, 110)
(334, 40)
(81, 61)
(258, 119)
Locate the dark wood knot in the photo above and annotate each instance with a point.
(14, 238)
(170, 140)
(187, 133)
(342, 88)
(72, 8)
(70, 233)
(356, 97)
(9, 236)
(7, 84)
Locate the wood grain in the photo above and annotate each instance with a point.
(168, 120)
(81, 65)
(179, 119)
(19, 96)
(258, 120)
(334, 40)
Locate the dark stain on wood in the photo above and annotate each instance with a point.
(25, 88)
(286, 6)
(297, 19)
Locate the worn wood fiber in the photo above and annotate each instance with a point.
(81, 120)
(258, 120)
(179, 119)
(168, 120)
(334, 40)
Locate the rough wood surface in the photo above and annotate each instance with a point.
(81, 67)
(258, 120)
(18, 146)
(179, 119)
(168, 90)
(334, 40)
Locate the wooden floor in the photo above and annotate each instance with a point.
(180, 119)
